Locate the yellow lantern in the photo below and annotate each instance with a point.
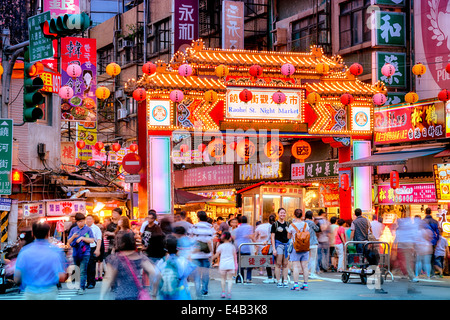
(419, 69)
(211, 96)
(322, 68)
(411, 97)
(313, 98)
(222, 71)
(102, 93)
(113, 69)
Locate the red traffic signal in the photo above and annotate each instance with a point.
(16, 177)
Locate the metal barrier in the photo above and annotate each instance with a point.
(252, 261)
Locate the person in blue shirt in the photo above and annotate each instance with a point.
(79, 239)
(40, 266)
(244, 234)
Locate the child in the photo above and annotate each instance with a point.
(228, 262)
(440, 252)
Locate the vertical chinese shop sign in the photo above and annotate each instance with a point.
(6, 146)
(61, 7)
(185, 23)
(82, 107)
(233, 25)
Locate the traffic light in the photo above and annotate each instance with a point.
(65, 25)
(16, 181)
(31, 95)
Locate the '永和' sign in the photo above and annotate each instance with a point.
(185, 21)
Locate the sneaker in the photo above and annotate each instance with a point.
(286, 284)
(204, 293)
(296, 287)
(91, 286)
(269, 280)
(279, 285)
(223, 295)
(81, 291)
(304, 287)
(229, 296)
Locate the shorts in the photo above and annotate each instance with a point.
(281, 247)
(299, 256)
(439, 262)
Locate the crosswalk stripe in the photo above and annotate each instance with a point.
(62, 295)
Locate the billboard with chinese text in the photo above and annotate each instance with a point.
(185, 23)
(233, 25)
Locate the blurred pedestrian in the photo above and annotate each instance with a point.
(228, 263)
(153, 239)
(202, 233)
(262, 235)
(233, 226)
(185, 243)
(279, 240)
(166, 226)
(299, 259)
(313, 244)
(124, 268)
(80, 238)
(244, 234)
(123, 227)
(405, 237)
(100, 258)
(424, 250)
(111, 228)
(173, 271)
(340, 240)
(440, 252)
(360, 230)
(95, 251)
(40, 266)
(377, 226)
(183, 223)
(433, 225)
(323, 249)
(332, 236)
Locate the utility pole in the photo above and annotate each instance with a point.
(9, 56)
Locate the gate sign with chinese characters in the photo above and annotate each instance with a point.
(185, 23)
(233, 25)
(262, 105)
(6, 146)
(411, 123)
(256, 261)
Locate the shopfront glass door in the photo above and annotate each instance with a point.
(290, 204)
(271, 204)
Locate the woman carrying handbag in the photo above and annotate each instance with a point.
(124, 269)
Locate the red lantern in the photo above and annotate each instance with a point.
(90, 162)
(356, 69)
(233, 145)
(345, 184)
(81, 144)
(149, 68)
(77, 162)
(279, 97)
(447, 68)
(256, 71)
(201, 147)
(99, 145)
(444, 95)
(184, 148)
(395, 179)
(139, 94)
(133, 147)
(245, 95)
(347, 99)
(116, 146)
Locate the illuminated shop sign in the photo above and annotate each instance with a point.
(261, 171)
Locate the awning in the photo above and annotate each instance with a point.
(445, 153)
(183, 197)
(390, 158)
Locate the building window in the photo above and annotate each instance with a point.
(353, 28)
(308, 31)
(105, 57)
(162, 35)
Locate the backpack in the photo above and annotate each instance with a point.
(301, 240)
(170, 279)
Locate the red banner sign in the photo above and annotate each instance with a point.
(410, 123)
(407, 194)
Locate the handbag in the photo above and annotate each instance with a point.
(267, 250)
(142, 294)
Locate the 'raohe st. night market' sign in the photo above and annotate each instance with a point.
(410, 123)
(262, 105)
(407, 193)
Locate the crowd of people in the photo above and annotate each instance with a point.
(158, 259)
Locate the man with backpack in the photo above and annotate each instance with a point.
(299, 231)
